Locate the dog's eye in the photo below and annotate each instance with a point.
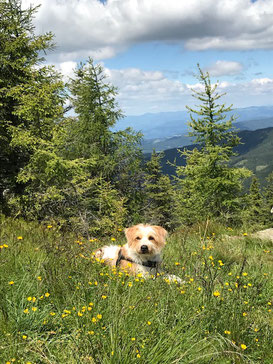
(137, 238)
(151, 238)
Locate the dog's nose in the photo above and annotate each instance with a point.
(144, 248)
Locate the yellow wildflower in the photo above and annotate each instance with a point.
(216, 294)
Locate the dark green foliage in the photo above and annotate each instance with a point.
(31, 96)
(159, 203)
(93, 100)
(211, 128)
(268, 201)
(83, 175)
(208, 186)
(255, 204)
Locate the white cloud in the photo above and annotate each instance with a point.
(67, 68)
(89, 27)
(148, 91)
(262, 85)
(142, 91)
(224, 68)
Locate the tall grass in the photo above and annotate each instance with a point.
(59, 305)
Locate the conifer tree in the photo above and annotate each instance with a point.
(208, 186)
(31, 96)
(159, 195)
(77, 177)
(268, 201)
(93, 100)
(255, 204)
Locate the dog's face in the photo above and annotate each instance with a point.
(146, 240)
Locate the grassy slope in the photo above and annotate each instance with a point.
(57, 305)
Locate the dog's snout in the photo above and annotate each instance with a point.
(144, 249)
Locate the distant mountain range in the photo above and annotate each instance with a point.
(255, 153)
(169, 124)
(168, 131)
(178, 141)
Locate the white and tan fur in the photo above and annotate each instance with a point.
(144, 245)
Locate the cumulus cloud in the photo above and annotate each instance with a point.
(224, 68)
(149, 91)
(262, 85)
(92, 28)
(67, 68)
(142, 91)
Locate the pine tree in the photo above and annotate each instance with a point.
(268, 201)
(255, 204)
(208, 186)
(117, 153)
(78, 176)
(31, 96)
(93, 100)
(159, 195)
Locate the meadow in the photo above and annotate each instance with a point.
(60, 305)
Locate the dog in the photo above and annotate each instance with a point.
(141, 253)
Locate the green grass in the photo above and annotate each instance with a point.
(65, 307)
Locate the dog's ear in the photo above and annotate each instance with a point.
(161, 232)
(128, 233)
(131, 232)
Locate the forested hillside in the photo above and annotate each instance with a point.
(254, 152)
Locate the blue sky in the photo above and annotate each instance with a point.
(150, 48)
